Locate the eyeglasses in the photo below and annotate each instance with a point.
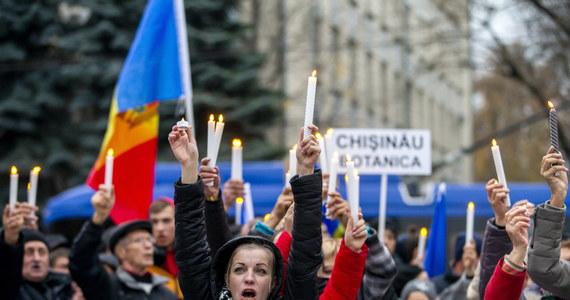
(141, 240)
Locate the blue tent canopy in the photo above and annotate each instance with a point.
(267, 181)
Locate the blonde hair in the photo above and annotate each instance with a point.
(330, 247)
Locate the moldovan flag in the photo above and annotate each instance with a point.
(153, 71)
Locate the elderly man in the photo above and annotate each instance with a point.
(131, 242)
(25, 260)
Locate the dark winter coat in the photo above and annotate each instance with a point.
(202, 277)
(96, 283)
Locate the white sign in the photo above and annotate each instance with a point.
(384, 151)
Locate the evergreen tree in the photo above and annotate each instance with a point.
(59, 63)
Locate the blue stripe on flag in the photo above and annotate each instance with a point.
(152, 69)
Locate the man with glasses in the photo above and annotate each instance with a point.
(133, 245)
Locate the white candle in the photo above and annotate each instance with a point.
(333, 175)
(182, 124)
(310, 106)
(329, 143)
(469, 225)
(422, 243)
(13, 187)
(237, 172)
(293, 161)
(382, 206)
(323, 163)
(239, 205)
(353, 189)
(109, 169)
(33, 185)
(210, 145)
(217, 140)
(355, 203)
(500, 171)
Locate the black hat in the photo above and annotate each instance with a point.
(29, 235)
(121, 230)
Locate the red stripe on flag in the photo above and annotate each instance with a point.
(133, 176)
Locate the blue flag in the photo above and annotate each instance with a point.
(436, 259)
(152, 70)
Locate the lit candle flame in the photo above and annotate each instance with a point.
(471, 206)
(182, 119)
(329, 131)
(314, 73)
(266, 217)
(221, 119)
(348, 158)
(494, 142)
(319, 136)
(14, 170)
(110, 152)
(239, 200)
(36, 170)
(423, 231)
(236, 142)
(212, 117)
(294, 147)
(550, 104)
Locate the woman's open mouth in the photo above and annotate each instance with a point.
(248, 294)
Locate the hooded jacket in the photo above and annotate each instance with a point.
(202, 277)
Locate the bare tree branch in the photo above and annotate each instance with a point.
(554, 17)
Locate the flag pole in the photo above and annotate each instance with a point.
(382, 206)
(184, 57)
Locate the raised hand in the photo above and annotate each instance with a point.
(14, 221)
(338, 208)
(185, 149)
(210, 175)
(555, 173)
(308, 152)
(355, 235)
(496, 193)
(470, 258)
(284, 201)
(233, 189)
(288, 219)
(518, 224)
(102, 202)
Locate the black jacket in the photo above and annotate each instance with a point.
(201, 277)
(55, 286)
(96, 283)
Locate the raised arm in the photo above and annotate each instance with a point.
(496, 242)
(12, 249)
(508, 279)
(84, 265)
(346, 276)
(380, 269)
(305, 258)
(217, 227)
(192, 252)
(545, 266)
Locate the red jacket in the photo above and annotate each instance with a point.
(346, 275)
(504, 285)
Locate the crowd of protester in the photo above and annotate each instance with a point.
(188, 249)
